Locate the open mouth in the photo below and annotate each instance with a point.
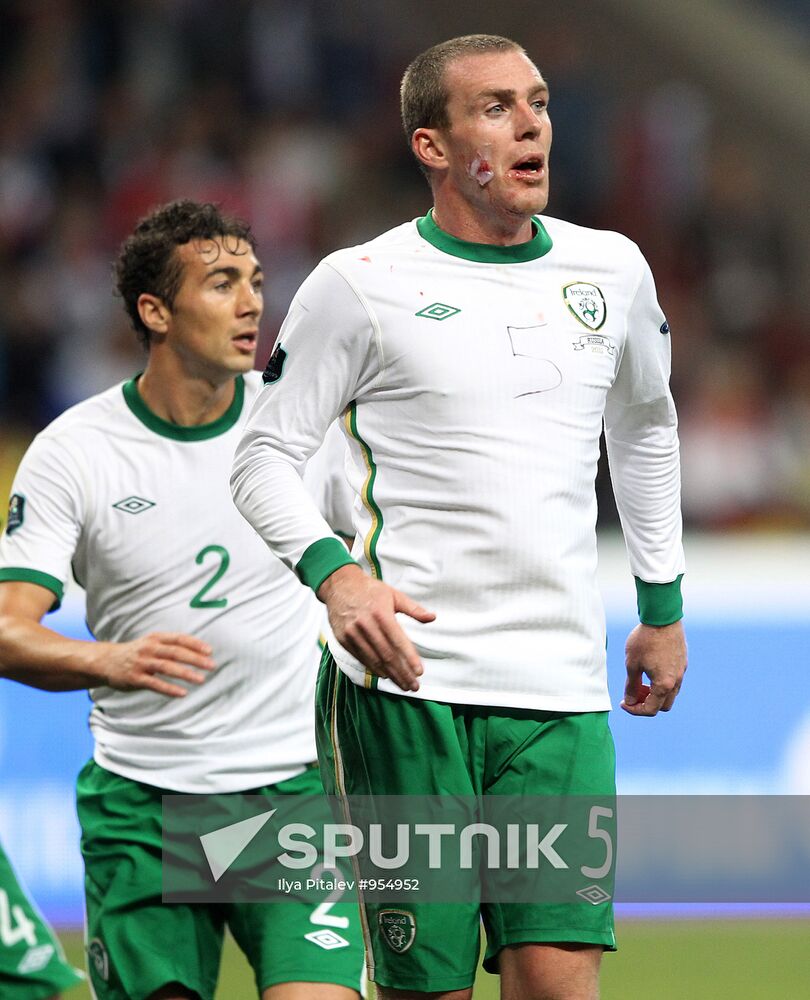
(531, 166)
(246, 341)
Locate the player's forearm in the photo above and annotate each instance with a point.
(271, 496)
(642, 444)
(39, 657)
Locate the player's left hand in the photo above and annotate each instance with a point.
(659, 651)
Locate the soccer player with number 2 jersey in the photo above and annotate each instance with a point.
(203, 674)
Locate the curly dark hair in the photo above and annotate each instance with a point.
(147, 261)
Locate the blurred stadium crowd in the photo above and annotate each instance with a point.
(286, 112)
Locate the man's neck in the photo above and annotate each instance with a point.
(183, 399)
(459, 219)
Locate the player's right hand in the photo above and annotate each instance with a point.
(362, 614)
(148, 662)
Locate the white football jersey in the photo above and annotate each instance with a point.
(140, 510)
(473, 382)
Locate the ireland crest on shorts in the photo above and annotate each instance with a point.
(99, 958)
(586, 302)
(398, 928)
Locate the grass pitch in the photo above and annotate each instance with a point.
(657, 960)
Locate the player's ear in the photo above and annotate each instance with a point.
(429, 147)
(153, 312)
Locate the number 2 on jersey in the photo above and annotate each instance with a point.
(199, 600)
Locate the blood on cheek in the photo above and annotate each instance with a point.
(480, 170)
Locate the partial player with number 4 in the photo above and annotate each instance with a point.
(203, 674)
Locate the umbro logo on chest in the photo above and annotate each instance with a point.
(438, 311)
(133, 505)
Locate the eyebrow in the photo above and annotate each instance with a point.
(509, 94)
(232, 272)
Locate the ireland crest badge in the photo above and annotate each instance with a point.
(398, 928)
(586, 302)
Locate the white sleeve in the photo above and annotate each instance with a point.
(326, 355)
(641, 431)
(325, 478)
(46, 513)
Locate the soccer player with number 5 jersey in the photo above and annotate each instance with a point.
(474, 356)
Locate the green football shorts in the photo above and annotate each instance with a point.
(32, 963)
(136, 943)
(372, 743)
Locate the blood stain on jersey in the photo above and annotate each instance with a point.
(275, 366)
(16, 512)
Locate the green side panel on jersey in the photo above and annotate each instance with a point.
(367, 494)
(320, 560)
(200, 432)
(659, 603)
(14, 574)
(485, 253)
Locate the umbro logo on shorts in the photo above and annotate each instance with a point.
(593, 894)
(327, 940)
(35, 959)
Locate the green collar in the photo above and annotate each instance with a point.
(485, 253)
(200, 432)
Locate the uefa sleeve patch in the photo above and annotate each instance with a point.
(16, 513)
(275, 366)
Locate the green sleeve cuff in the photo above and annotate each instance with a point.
(15, 574)
(321, 559)
(659, 603)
